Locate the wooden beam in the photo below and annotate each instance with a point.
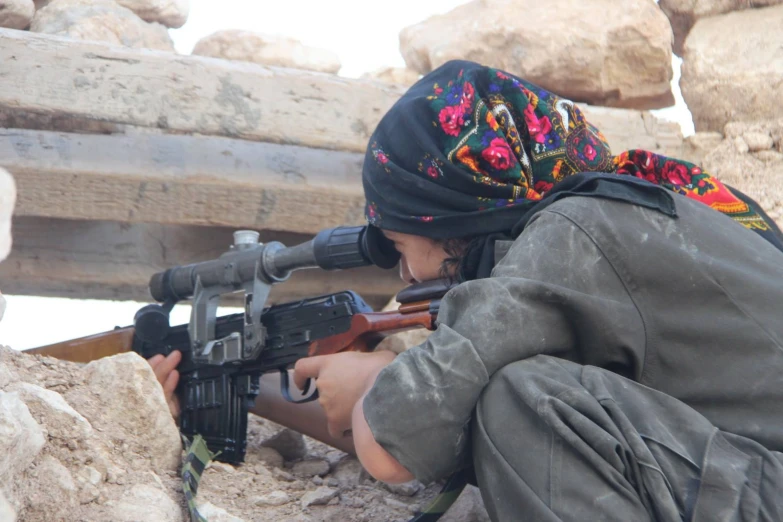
(182, 180)
(107, 260)
(47, 75)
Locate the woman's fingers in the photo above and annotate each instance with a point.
(164, 367)
(307, 368)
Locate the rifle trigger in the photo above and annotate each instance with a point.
(284, 385)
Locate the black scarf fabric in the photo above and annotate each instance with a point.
(470, 150)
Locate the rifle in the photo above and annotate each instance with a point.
(224, 357)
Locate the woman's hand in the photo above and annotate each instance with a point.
(168, 377)
(341, 379)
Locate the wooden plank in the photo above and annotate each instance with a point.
(183, 180)
(107, 260)
(44, 74)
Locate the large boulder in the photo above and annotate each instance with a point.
(750, 158)
(393, 75)
(264, 49)
(733, 68)
(683, 14)
(602, 52)
(171, 13)
(100, 20)
(16, 14)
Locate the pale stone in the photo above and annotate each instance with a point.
(310, 468)
(7, 202)
(698, 145)
(406, 489)
(349, 472)
(684, 13)
(21, 438)
(758, 141)
(171, 13)
(50, 491)
(733, 68)
(143, 420)
(102, 21)
(275, 498)
(269, 456)
(289, 443)
(16, 14)
(394, 75)
(7, 513)
(752, 173)
(50, 410)
(319, 497)
(264, 49)
(144, 502)
(214, 513)
(602, 52)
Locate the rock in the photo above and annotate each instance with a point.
(733, 68)
(100, 20)
(269, 456)
(21, 438)
(7, 513)
(16, 14)
(393, 75)
(51, 411)
(769, 156)
(396, 504)
(584, 51)
(275, 498)
(349, 472)
(758, 141)
(264, 49)
(752, 173)
(145, 502)
(310, 468)
(319, 497)
(333, 457)
(221, 467)
(7, 201)
(288, 443)
(216, 514)
(406, 489)
(282, 475)
(469, 507)
(698, 145)
(171, 13)
(143, 421)
(684, 13)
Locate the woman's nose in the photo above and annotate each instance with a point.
(405, 273)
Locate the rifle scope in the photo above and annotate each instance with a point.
(331, 249)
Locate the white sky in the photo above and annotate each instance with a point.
(364, 33)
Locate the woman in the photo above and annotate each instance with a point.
(622, 361)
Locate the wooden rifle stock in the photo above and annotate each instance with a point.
(90, 348)
(368, 329)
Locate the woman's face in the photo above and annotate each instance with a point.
(420, 257)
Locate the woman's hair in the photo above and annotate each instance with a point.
(461, 252)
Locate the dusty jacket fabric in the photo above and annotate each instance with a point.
(691, 306)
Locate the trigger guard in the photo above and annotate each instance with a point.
(284, 389)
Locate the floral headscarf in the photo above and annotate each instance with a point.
(470, 149)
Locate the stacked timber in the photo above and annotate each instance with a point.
(132, 161)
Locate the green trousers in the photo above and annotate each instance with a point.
(553, 440)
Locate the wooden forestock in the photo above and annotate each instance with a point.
(367, 330)
(86, 349)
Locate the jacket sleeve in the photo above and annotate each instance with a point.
(554, 293)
